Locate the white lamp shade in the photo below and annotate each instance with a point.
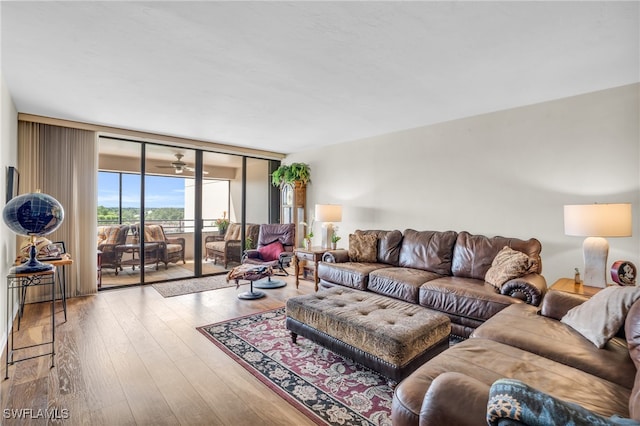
(598, 220)
(328, 213)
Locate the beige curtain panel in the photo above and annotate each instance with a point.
(63, 163)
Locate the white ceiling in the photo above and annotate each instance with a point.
(288, 76)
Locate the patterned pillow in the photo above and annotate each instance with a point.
(507, 265)
(363, 247)
(108, 234)
(153, 233)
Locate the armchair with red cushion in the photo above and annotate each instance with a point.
(275, 246)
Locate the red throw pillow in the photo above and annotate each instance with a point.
(271, 251)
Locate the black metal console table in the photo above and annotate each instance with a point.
(22, 282)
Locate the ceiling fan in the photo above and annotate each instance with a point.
(179, 166)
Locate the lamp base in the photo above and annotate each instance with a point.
(33, 265)
(327, 234)
(595, 251)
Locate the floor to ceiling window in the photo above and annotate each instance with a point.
(177, 195)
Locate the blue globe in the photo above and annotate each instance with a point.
(33, 214)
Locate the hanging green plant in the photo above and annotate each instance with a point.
(295, 172)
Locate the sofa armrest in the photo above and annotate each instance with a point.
(250, 254)
(212, 238)
(107, 248)
(454, 399)
(530, 288)
(557, 303)
(336, 256)
(285, 256)
(232, 245)
(177, 240)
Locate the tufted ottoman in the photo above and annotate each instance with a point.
(389, 336)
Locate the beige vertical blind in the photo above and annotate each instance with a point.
(63, 163)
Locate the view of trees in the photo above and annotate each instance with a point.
(132, 214)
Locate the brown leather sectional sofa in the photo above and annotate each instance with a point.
(442, 271)
(533, 346)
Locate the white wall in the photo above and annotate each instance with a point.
(257, 192)
(8, 157)
(505, 173)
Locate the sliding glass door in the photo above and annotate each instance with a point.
(184, 209)
(169, 213)
(119, 208)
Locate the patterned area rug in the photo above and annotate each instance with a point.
(327, 388)
(194, 285)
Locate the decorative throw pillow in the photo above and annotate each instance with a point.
(363, 247)
(271, 251)
(153, 233)
(599, 318)
(507, 265)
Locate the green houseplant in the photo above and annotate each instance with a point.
(295, 172)
(222, 223)
(335, 238)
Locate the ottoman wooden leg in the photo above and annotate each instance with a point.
(294, 337)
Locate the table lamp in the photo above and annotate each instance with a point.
(597, 221)
(328, 214)
(33, 215)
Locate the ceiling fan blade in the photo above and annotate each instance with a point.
(191, 169)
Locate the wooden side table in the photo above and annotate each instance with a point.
(568, 285)
(61, 266)
(313, 254)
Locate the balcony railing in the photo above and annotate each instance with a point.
(170, 226)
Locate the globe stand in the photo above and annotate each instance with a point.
(33, 265)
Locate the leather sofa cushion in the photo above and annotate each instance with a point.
(521, 326)
(487, 361)
(428, 250)
(388, 245)
(473, 254)
(348, 274)
(399, 283)
(632, 332)
(464, 297)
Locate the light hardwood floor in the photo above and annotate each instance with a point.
(132, 357)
